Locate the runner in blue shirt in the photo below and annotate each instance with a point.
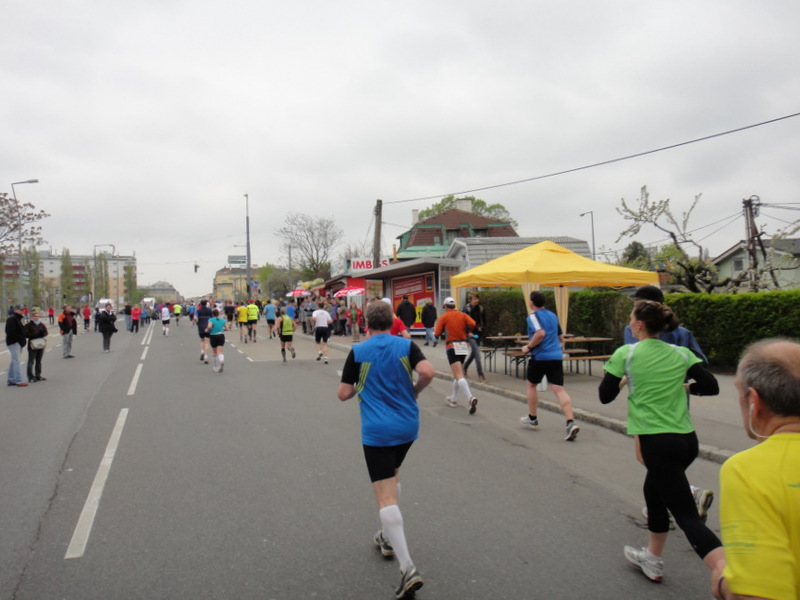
(270, 311)
(545, 338)
(381, 371)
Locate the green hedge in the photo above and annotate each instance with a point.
(724, 324)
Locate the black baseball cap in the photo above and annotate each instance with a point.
(649, 292)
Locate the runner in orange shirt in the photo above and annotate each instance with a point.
(458, 326)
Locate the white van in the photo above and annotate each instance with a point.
(102, 303)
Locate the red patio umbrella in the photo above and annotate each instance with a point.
(298, 293)
(349, 291)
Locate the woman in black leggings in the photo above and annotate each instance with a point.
(659, 415)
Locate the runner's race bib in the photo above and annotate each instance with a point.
(460, 348)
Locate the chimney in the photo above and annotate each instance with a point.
(464, 204)
(414, 217)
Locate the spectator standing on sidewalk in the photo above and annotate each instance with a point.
(107, 327)
(760, 487)
(458, 326)
(428, 319)
(36, 332)
(68, 325)
(127, 311)
(15, 340)
(51, 315)
(546, 360)
(658, 414)
(380, 371)
(406, 312)
(474, 309)
(355, 316)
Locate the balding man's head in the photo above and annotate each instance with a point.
(772, 368)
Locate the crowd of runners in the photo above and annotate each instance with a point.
(660, 363)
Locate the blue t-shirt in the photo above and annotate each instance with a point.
(269, 311)
(550, 347)
(381, 369)
(291, 312)
(217, 325)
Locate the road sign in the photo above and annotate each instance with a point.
(235, 259)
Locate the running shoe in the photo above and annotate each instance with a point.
(319, 356)
(703, 499)
(293, 354)
(383, 545)
(410, 582)
(652, 569)
(202, 356)
(473, 405)
(532, 424)
(326, 360)
(572, 431)
(221, 367)
(451, 402)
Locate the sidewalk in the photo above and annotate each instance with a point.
(717, 419)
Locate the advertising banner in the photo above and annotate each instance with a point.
(419, 289)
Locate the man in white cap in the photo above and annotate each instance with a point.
(458, 326)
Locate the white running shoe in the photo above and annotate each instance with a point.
(451, 402)
(652, 569)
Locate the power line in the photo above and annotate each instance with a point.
(598, 164)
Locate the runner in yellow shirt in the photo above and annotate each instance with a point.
(252, 320)
(241, 319)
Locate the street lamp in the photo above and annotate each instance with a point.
(19, 236)
(247, 224)
(591, 215)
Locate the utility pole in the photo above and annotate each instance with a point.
(376, 245)
(754, 242)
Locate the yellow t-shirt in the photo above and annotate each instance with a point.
(760, 518)
(252, 312)
(241, 314)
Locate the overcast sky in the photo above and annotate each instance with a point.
(146, 122)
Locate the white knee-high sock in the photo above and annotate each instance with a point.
(392, 525)
(455, 389)
(464, 387)
(221, 358)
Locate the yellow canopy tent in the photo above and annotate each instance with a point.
(548, 264)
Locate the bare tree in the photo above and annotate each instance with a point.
(311, 240)
(695, 274)
(18, 225)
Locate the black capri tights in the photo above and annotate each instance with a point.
(667, 456)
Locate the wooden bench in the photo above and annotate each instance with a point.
(587, 361)
(488, 355)
(516, 357)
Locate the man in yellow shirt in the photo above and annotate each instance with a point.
(241, 319)
(760, 487)
(252, 320)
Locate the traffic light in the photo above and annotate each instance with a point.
(196, 267)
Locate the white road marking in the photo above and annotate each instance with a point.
(77, 545)
(144, 353)
(135, 381)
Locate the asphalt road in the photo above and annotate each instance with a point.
(252, 484)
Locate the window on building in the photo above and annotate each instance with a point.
(738, 265)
